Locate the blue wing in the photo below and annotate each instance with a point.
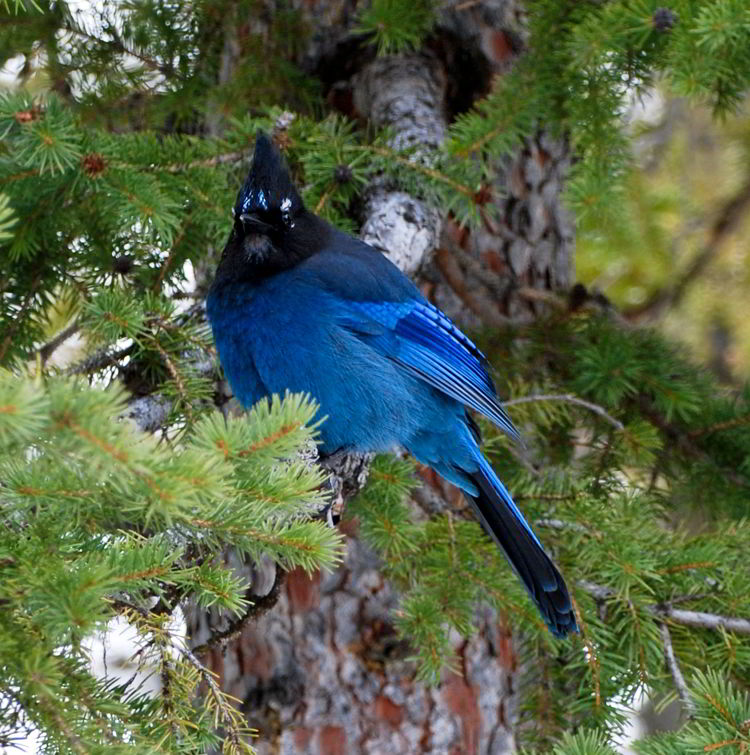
(382, 305)
(427, 343)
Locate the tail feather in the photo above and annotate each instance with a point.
(503, 520)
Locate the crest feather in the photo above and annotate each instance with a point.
(268, 186)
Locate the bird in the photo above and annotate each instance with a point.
(300, 306)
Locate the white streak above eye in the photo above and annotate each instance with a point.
(255, 199)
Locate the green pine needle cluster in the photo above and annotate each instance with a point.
(396, 26)
(121, 155)
(101, 520)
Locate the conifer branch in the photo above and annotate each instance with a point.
(229, 715)
(159, 281)
(417, 166)
(258, 606)
(99, 360)
(686, 442)
(118, 45)
(176, 377)
(719, 426)
(208, 162)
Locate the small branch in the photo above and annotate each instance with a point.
(597, 592)
(685, 442)
(118, 45)
(170, 256)
(176, 377)
(523, 461)
(571, 400)
(324, 198)
(718, 426)
(702, 620)
(559, 524)
(220, 699)
(674, 667)
(696, 619)
(46, 351)
(99, 360)
(258, 607)
(542, 296)
(418, 167)
(123, 607)
(726, 221)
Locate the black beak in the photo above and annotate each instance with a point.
(251, 223)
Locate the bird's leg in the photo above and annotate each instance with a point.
(347, 475)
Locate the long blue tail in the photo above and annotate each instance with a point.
(502, 519)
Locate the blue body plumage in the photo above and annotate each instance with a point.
(298, 305)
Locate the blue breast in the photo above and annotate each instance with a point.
(284, 334)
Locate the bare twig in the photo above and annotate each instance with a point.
(726, 221)
(256, 610)
(571, 400)
(220, 699)
(545, 297)
(520, 457)
(99, 360)
(46, 351)
(597, 592)
(696, 619)
(702, 620)
(674, 668)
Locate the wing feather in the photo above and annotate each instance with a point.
(428, 343)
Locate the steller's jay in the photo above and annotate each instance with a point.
(298, 305)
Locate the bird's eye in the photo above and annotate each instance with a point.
(286, 212)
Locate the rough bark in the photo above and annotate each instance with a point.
(323, 671)
(500, 270)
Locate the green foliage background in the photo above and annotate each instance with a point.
(123, 146)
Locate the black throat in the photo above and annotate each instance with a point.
(251, 258)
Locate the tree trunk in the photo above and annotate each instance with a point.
(324, 671)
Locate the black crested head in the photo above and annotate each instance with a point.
(272, 230)
(268, 193)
